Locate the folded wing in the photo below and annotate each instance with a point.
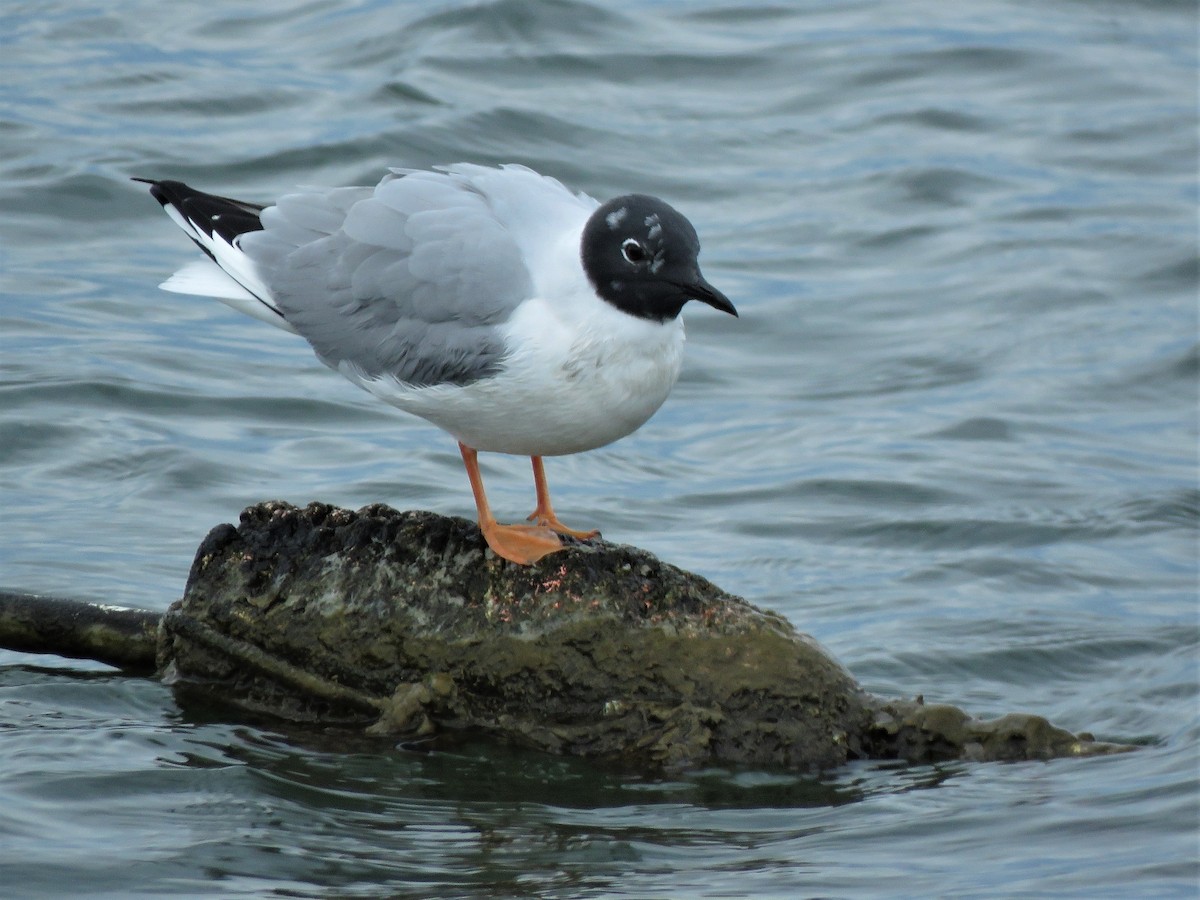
(408, 280)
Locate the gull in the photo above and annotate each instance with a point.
(516, 315)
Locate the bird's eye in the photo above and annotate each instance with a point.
(633, 251)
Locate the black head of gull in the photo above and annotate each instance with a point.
(640, 254)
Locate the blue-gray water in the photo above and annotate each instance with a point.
(953, 435)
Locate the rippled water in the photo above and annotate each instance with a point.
(953, 435)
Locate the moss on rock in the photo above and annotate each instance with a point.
(405, 623)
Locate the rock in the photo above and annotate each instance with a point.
(404, 623)
(912, 731)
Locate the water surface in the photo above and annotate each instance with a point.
(953, 434)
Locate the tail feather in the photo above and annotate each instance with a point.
(216, 225)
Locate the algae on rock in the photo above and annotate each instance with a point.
(403, 623)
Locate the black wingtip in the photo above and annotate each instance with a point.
(208, 212)
(156, 189)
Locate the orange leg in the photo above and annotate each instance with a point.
(544, 514)
(523, 544)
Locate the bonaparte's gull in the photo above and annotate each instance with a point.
(510, 312)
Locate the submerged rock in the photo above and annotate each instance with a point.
(405, 623)
(914, 731)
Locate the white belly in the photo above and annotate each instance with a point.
(565, 387)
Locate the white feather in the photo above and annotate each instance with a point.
(204, 278)
(232, 279)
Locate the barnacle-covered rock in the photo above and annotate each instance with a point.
(405, 623)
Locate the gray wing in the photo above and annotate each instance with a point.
(410, 279)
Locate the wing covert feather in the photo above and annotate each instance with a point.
(409, 280)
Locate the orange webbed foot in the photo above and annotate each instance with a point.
(544, 514)
(521, 544)
(550, 521)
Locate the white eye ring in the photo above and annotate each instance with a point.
(633, 251)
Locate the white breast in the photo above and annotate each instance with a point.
(579, 373)
(571, 382)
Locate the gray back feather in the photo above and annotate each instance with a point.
(409, 279)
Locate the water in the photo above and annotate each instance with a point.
(953, 435)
